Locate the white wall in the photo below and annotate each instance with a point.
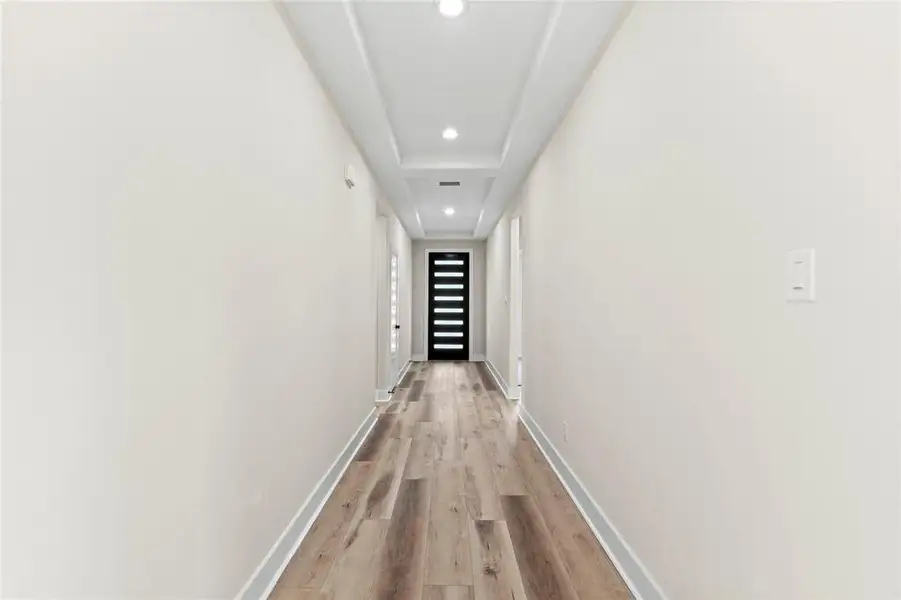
(188, 309)
(497, 298)
(477, 293)
(746, 448)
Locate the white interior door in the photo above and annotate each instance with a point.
(394, 320)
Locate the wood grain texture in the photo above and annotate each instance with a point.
(322, 544)
(407, 380)
(588, 566)
(468, 420)
(393, 408)
(401, 561)
(447, 592)
(495, 571)
(416, 389)
(542, 570)
(486, 377)
(380, 493)
(447, 437)
(479, 490)
(449, 498)
(447, 558)
(376, 438)
(421, 463)
(404, 425)
(430, 410)
(468, 381)
(540, 479)
(508, 475)
(355, 572)
(424, 370)
(296, 594)
(489, 417)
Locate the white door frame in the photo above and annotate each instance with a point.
(393, 366)
(515, 359)
(425, 295)
(382, 308)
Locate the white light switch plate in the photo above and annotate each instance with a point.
(800, 276)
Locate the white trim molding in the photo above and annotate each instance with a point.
(400, 375)
(382, 396)
(478, 358)
(633, 572)
(419, 358)
(500, 380)
(264, 578)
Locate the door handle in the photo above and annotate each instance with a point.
(397, 326)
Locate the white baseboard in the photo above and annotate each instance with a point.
(505, 389)
(383, 396)
(263, 580)
(501, 384)
(400, 376)
(478, 358)
(419, 358)
(633, 572)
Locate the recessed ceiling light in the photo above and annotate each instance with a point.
(448, 211)
(449, 134)
(450, 8)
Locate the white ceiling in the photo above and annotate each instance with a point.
(503, 74)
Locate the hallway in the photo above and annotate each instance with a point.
(449, 499)
(450, 300)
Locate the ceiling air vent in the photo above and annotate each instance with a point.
(448, 184)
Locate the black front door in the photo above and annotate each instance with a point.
(448, 315)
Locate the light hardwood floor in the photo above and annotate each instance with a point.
(449, 499)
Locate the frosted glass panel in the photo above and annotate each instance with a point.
(394, 330)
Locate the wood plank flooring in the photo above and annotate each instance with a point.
(449, 499)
